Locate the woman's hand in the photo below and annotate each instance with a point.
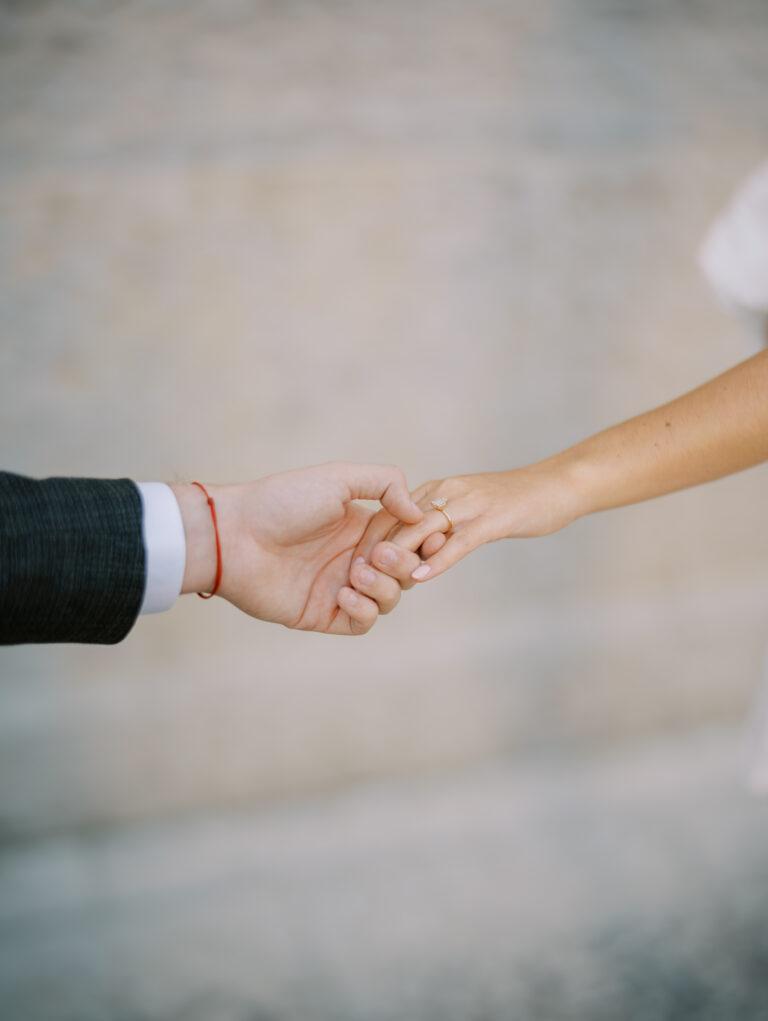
(522, 503)
(719, 428)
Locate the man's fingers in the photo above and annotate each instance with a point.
(382, 482)
(396, 562)
(432, 544)
(384, 591)
(379, 527)
(456, 547)
(361, 610)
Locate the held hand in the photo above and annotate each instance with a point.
(522, 503)
(288, 543)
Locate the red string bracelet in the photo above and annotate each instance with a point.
(217, 579)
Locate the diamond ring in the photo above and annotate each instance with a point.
(439, 505)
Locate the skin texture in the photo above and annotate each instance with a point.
(288, 543)
(715, 430)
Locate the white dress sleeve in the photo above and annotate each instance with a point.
(734, 256)
(734, 259)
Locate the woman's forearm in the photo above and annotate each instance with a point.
(715, 430)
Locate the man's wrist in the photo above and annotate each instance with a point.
(200, 564)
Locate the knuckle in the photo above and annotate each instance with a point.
(361, 575)
(390, 598)
(387, 554)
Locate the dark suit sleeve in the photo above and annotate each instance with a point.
(72, 561)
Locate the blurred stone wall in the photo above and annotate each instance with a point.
(237, 237)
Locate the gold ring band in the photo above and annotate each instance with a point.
(447, 517)
(439, 505)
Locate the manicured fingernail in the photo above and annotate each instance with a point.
(359, 560)
(387, 556)
(421, 572)
(366, 576)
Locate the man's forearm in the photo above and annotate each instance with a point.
(715, 430)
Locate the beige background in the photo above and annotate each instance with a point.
(238, 237)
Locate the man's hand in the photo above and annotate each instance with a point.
(288, 543)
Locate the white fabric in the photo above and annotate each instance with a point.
(164, 544)
(734, 256)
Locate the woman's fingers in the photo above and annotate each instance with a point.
(457, 546)
(387, 562)
(411, 537)
(432, 544)
(361, 613)
(396, 562)
(384, 590)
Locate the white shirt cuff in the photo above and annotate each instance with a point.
(164, 544)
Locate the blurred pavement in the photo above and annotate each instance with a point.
(635, 887)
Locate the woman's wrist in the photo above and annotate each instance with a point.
(200, 538)
(546, 496)
(574, 482)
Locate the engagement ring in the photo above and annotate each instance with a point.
(439, 505)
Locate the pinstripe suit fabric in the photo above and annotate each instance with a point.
(72, 562)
